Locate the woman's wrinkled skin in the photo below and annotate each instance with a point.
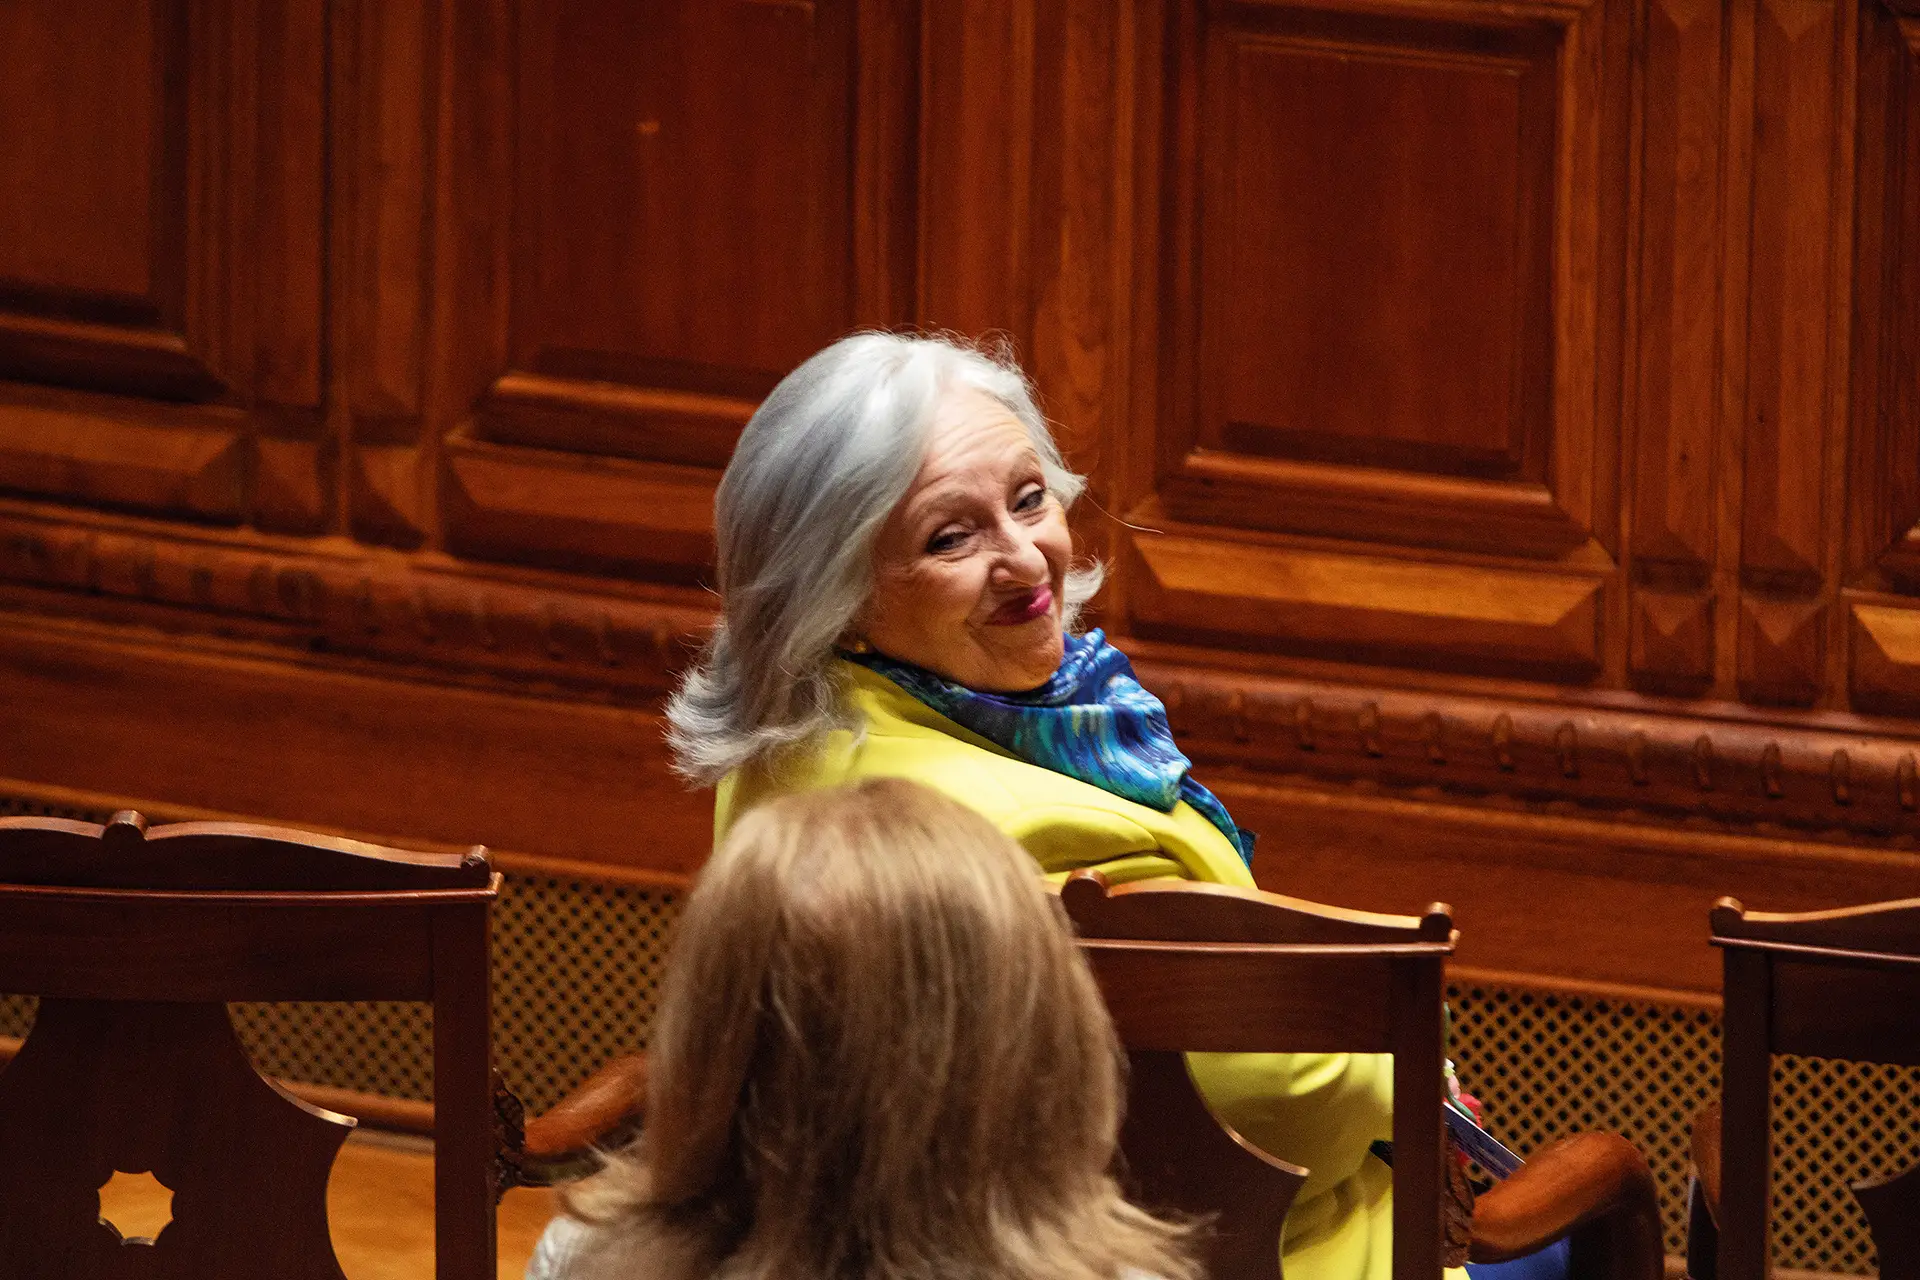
(970, 567)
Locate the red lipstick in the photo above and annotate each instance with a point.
(1036, 603)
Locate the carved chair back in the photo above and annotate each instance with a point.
(1829, 984)
(134, 941)
(1189, 967)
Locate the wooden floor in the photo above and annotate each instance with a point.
(380, 1203)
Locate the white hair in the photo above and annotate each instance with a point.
(819, 467)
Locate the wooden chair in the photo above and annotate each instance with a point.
(1829, 984)
(135, 940)
(1190, 967)
(1194, 967)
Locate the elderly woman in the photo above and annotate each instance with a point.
(899, 599)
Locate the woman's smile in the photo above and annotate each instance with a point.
(1024, 608)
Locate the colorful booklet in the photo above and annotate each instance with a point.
(1479, 1146)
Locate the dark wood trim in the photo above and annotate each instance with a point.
(520, 864)
(372, 1110)
(1622, 992)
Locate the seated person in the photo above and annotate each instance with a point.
(899, 599)
(878, 1054)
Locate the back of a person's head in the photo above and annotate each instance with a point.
(878, 1054)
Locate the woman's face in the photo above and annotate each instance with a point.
(969, 568)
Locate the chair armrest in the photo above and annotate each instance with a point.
(604, 1112)
(1706, 1155)
(1593, 1187)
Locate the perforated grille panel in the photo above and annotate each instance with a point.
(1547, 1065)
(577, 965)
(1836, 1123)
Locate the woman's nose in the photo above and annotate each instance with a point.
(1021, 563)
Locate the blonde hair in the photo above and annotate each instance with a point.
(879, 1055)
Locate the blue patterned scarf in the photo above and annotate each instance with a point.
(1092, 721)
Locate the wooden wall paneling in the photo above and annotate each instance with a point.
(1477, 618)
(980, 122)
(587, 515)
(886, 161)
(293, 481)
(1883, 541)
(188, 272)
(1678, 346)
(682, 205)
(1550, 899)
(1884, 655)
(1883, 474)
(1026, 206)
(342, 750)
(384, 164)
(1081, 250)
(1325, 377)
(325, 602)
(684, 222)
(1797, 51)
(94, 120)
(1417, 386)
(470, 231)
(177, 459)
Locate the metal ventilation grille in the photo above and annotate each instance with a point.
(576, 972)
(1546, 1065)
(1835, 1124)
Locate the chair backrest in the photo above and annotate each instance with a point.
(135, 940)
(1830, 984)
(1189, 967)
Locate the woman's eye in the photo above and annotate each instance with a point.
(945, 541)
(1031, 499)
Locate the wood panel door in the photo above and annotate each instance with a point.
(1381, 432)
(674, 204)
(1882, 600)
(160, 257)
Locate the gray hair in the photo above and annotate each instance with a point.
(819, 467)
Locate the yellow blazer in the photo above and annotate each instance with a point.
(1317, 1110)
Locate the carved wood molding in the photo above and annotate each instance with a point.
(187, 462)
(1319, 601)
(528, 630)
(1655, 764)
(596, 515)
(334, 597)
(1885, 656)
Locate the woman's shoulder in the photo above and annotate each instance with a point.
(1063, 822)
(557, 1256)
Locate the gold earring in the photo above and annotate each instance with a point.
(859, 644)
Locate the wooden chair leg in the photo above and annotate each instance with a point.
(464, 1141)
(1703, 1237)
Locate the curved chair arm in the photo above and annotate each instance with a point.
(604, 1112)
(1593, 1187)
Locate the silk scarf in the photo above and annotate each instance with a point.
(1091, 720)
